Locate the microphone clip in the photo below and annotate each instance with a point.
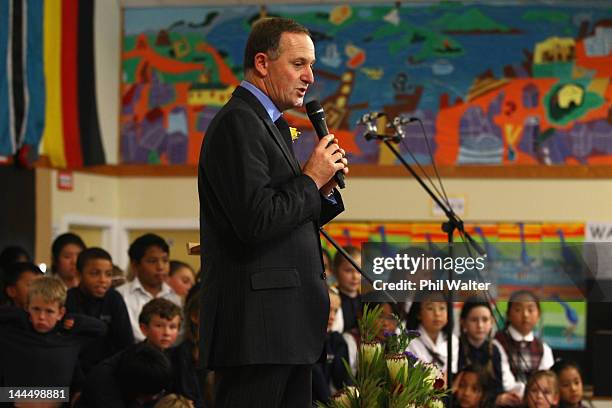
(369, 119)
(397, 125)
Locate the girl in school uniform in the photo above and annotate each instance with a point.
(571, 392)
(521, 350)
(429, 317)
(542, 390)
(476, 348)
(472, 388)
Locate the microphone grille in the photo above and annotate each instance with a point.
(313, 107)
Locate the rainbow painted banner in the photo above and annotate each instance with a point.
(539, 247)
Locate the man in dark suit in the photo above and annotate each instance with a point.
(264, 298)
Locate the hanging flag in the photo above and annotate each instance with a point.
(53, 141)
(89, 127)
(22, 83)
(73, 138)
(47, 83)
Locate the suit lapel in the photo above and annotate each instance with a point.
(252, 101)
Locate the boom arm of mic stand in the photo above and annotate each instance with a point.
(453, 223)
(352, 262)
(371, 135)
(452, 217)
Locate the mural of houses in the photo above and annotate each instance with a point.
(160, 94)
(177, 136)
(479, 140)
(531, 96)
(600, 44)
(555, 49)
(163, 39)
(210, 94)
(570, 94)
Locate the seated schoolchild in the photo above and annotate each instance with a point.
(520, 349)
(542, 390)
(471, 388)
(174, 401)
(571, 392)
(17, 279)
(190, 380)
(429, 317)
(96, 298)
(64, 250)
(181, 278)
(476, 347)
(349, 285)
(135, 377)
(149, 261)
(38, 347)
(160, 322)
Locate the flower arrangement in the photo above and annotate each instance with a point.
(388, 376)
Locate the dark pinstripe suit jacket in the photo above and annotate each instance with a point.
(263, 299)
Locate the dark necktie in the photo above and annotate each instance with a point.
(283, 127)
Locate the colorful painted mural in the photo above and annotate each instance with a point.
(500, 85)
(524, 256)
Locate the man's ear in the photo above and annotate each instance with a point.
(261, 64)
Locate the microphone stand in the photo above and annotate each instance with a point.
(453, 223)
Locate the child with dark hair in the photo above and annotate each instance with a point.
(571, 391)
(149, 261)
(476, 347)
(520, 348)
(181, 278)
(13, 254)
(160, 321)
(429, 317)
(65, 250)
(40, 347)
(95, 297)
(471, 388)
(542, 390)
(17, 279)
(8, 256)
(190, 380)
(134, 377)
(349, 285)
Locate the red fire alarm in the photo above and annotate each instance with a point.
(65, 180)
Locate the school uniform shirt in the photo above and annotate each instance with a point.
(434, 352)
(111, 310)
(135, 297)
(546, 362)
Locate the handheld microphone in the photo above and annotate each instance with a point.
(315, 113)
(370, 117)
